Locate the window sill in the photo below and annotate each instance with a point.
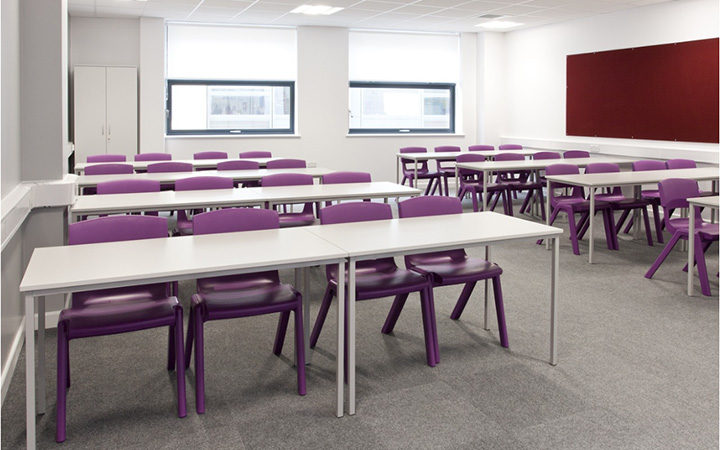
(230, 136)
(401, 135)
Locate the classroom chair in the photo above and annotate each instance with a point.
(481, 148)
(346, 177)
(510, 147)
(185, 222)
(255, 154)
(286, 163)
(106, 158)
(153, 157)
(446, 167)
(289, 218)
(517, 181)
(576, 154)
(210, 155)
(423, 172)
(471, 182)
(106, 169)
(240, 164)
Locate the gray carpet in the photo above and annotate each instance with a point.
(637, 369)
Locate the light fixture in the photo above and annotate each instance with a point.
(499, 24)
(315, 10)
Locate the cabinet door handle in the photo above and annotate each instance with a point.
(102, 130)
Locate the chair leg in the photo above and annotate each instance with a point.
(199, 364)
(180, 360)
(280, 333)
(462, 300)
(171, 349)
(322, 314)
(610, 235)
(658, 223)
(300, 347)
(702, 268)
(573, 233)
(394, 313)
(62, 382)
(663, 254)
(429, 326)
(648, 231)
(500, 311)
(190, 335)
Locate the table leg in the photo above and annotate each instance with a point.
(547, 213)
(397, 169)
(41, 401)
(351, 337)
(415, 176)
(691, 250)
(303, 273)
(553, 299)
(340, 381)
(486, 173)
(30, 370)
(591, 218)
(487, 290)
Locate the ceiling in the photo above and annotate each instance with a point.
(417, 15)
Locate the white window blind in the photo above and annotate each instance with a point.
(213, 52)
(404, 57)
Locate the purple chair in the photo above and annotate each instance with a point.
(449, 267)
(471, 182)
(210, 155)
(674, 193)
(377, 278)
(619, 202)
(170, 166)
(118, 310)
(240, 164)
(184, 222)
(481, 148)
(680, 163)
(106, 169)
(127, 186)
(286, 163)
(245, 295)
(520, 181)
(106, 158)
(153, 157)
(547, 155)
(575, 203)
(255, 154)
(510, 147)
(576, 154)
(446, 167)
(651, 195)
(423, 172)
(346, 177)
(290, 218)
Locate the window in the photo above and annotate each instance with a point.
(230, 107)
(402, 107)
(403, 82)
(230, 80)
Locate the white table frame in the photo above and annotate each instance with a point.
(708, 202)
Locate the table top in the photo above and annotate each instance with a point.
(87, 267)
(373, 239)
(342, 191)
(533, 164)
(197, 163)
(171, 177)
(635, 177)
(453, 155)
(708, 201)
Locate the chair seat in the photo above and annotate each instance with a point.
(247, 302)
(375, 280)
(119, 317)
(237, 282)
(296, 219)
(578, 205)
(448, 271)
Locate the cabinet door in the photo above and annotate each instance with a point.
(121, 111)
(89, 115)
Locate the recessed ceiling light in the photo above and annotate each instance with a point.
(315, 10)
(499, 24)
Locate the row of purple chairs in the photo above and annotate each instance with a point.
(167, 156)
(180, 166)
(119, 310)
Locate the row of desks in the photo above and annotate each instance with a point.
(167, 259)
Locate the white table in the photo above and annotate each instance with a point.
(709, 202)
(171, 177)
(395, 237)
(635, 179)
(162, 260)
(196, 163)
(86, 205)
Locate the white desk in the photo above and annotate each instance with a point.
(196, 163)
(635, 179)
(395, 237)
(709, 202)
(162, 260)
(171, 177)
(274, 195)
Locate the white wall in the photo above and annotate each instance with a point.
(10, 100)
(535, 72)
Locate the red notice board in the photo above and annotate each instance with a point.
(661, 92)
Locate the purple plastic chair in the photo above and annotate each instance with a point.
(153, 157)
(619, 202)
(170, 166)
(346, 177)
(471, 182)
(127, 186)
(245, 295)
(446, 167)
(449, 267)
(680, 163)
(377, 278)
(481, 148)
(286, 163)
(240, 164)
(576, 154)
(185, 222)
(520, 181)
(291, 218)
(651, 195)
(106, 169)
(575, 203)
(510, 147)
(118, 310)
(210, 155)
(674, 193)
(255, 154)
(106, 158)
(423, 172)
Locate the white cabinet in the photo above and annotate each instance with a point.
(105, 102)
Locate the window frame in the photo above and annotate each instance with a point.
(407, 85)
(228, 131)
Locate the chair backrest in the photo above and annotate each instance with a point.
(448, 148)
(200, 183)
(170, 166)
(510, 147)
(563, 169)
(286, 163)
(429, 205)
(602, 167)
(509, 157)
(409, 165)
(547, 155)
(106, 158)
(648, 164)
(286, 179)
(117, 228)
(346, 177)
(680, 163)
(109, 169)
(210, 155)
(355, 212)
(481, 148)
(127, 186)
(576, 154)
(153, 157)
(238, 164)
(255, 154)
(229, 220)
(674, 193)
(469, 157)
